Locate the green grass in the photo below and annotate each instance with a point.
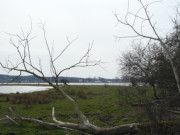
(104, 107)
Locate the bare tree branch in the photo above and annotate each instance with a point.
(148, 19)
(69, 43)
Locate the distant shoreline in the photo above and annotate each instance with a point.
(46, 84)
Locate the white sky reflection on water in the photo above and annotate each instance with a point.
(22, 89)
(28, 89)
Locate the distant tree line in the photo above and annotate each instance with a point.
(62, 79)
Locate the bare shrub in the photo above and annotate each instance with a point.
(71, 92)
(34, 98)
(82, 95)
(7, 99)
(90, 93)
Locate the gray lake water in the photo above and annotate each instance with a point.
(22, 89)
(5, 89)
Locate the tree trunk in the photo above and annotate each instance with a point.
(174, 67)
(154, 91)
(176, 74)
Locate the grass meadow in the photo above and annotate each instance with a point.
(104, 106)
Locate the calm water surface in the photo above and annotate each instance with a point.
(22, 89)
(27, 89)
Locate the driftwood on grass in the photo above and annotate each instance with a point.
(171, 127)
(85, 128)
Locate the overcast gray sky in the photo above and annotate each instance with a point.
(89, 20)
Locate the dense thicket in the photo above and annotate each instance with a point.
(148, 64)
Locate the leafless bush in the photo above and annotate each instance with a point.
(81, 94)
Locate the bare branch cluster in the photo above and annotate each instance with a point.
(136, 18)
(140, 34)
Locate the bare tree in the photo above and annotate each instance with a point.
(139, 33)
(26, 65)
(140, 64)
